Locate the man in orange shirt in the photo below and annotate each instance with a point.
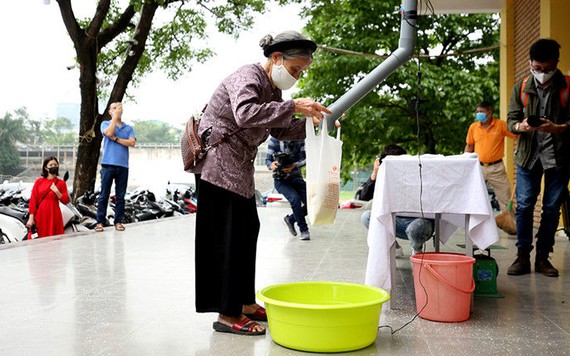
(486, 137)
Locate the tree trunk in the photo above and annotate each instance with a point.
(87, 45)
(90, 133)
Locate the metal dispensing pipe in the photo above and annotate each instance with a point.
(400, 56)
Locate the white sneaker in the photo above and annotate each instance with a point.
(305, 235)
(414, 251)
(399, 252)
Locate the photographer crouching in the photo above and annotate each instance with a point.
(285, 159)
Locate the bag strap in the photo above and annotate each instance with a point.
(524, 96)
(564, 93)
(45, 195)
(223, 138)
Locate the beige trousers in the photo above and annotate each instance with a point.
(497, 178)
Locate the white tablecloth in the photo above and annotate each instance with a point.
(451, 185)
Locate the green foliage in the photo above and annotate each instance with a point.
(59, 131)
(156, 132)
(450, 86)
(177, 39)
(12, 130)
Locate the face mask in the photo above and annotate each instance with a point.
(281, 77)
(481, 117)
(53, 170)
(542, 77)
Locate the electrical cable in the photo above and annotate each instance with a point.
(417, 109)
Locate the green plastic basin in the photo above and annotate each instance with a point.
(323, 316)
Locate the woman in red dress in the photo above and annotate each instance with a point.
(47, 192)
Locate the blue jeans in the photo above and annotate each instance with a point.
(295, 190)
(416, 240)
(121, 176)
(527, 190)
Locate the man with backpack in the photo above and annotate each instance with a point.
(538, 112)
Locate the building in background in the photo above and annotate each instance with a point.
(69, 111)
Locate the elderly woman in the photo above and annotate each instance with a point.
(246, 108)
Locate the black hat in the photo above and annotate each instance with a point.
(285, 45)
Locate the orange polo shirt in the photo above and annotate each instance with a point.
(490, 142)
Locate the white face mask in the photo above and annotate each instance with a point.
(281, 77)
(542, 77)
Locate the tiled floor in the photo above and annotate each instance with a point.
(132, 293)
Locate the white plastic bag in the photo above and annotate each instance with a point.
(324, 154)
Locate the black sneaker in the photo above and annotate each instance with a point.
(290, 225)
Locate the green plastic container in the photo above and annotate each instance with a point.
(323, 316)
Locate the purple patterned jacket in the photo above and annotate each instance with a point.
(244, 100)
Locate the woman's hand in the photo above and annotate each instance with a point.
(30, 222)
(273, 165)
(55, 190)
(316, 121)
(375, 170)
(310, 108)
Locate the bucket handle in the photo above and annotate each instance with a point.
(440, 277)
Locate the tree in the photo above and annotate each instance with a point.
(148, 132)
(12, 130)
(59, 131)
(450, 86)
(121, 44)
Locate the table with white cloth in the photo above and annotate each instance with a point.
(451, 188)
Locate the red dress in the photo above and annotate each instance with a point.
(44, 204)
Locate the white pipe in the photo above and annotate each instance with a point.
(402, 54)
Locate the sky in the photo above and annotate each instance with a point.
(37, 51)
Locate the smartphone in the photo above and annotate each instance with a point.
(534, 121)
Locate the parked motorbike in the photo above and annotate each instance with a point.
(140, 205)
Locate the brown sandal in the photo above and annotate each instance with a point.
(99, 228)
(119, 227)
(243, 327)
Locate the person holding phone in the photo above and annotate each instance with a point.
(117, 138)
(542, 151)
(43, 207)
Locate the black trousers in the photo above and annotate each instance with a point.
(227, 227)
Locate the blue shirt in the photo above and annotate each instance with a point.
(114, 153)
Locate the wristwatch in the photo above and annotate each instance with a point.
(117, 139)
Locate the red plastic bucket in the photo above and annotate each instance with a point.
(448, 282)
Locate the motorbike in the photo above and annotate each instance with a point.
(14, 199)
(12, 225)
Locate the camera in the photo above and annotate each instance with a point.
(283, 160)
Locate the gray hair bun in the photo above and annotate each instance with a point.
(265, 41)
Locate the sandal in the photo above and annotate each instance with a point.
(258, 315)
(99, 228)
(243, 327)
(119, 227)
